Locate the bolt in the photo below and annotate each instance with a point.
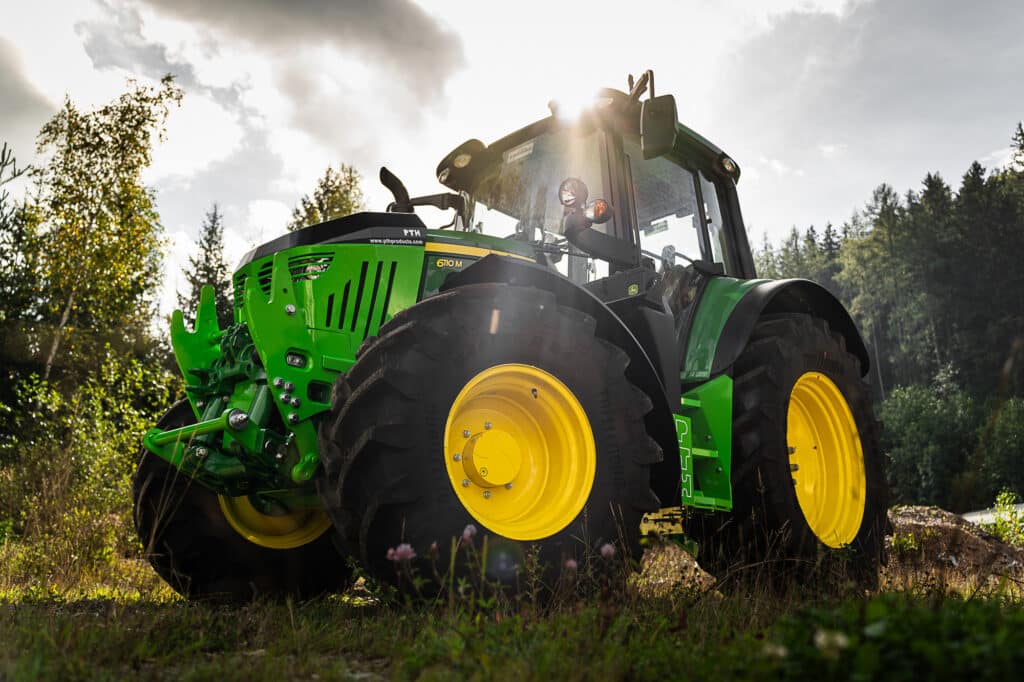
(296, 402)
(238, 419)
(289, 386)
(533, 392)
(792, 450)
(794, 467)
(508, 486)
(286, 398)
(201, 452)
(290, 309)
(200, 404)
(278, 382)
(487, 425)
(457, 457)
(794, 481)
(279, 456)
(483, 471)
(465, 483)
(707, 437)
(293, 418)
(465, 434)
(718, 470)
(487, 494)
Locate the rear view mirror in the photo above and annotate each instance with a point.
(657, 125)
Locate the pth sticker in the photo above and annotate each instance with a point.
(448, 263)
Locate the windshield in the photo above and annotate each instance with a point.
(518, 195)
(667, 213)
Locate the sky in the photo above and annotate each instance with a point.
(818, 100)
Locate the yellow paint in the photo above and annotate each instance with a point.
(287, 530)
(825, 448)
(519, 451)
(463, 250)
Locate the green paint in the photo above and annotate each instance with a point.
(716, 305)
(312, 303)
(704, 431)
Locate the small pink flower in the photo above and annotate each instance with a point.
(433, 549)
(468, 534)
(571, 565)
(391, 554)
(404, 552)
(608, 550)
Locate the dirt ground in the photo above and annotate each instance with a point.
(928, 547)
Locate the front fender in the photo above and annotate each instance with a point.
(734, 307)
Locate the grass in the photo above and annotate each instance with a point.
(110, 630)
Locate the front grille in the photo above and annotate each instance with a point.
(362, 293)
(309, 266)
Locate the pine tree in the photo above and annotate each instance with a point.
(337, 194)
(1018, 148)
(208, 267)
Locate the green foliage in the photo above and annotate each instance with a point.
(337, 194)
(209, 267)
(929, 434)
(65, 476)
(99, 248)
(1008, 522)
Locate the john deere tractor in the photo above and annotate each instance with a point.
(584, 344)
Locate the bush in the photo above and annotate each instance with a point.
(929, 433)
(65, 500)
(1008, 523)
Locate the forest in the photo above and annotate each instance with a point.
(932, 277)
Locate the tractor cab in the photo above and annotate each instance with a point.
(610, 198)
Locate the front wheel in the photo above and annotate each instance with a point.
(489, 406)
(808, 481)
(209, 546)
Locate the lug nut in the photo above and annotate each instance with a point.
(794, 467)
(508, 486)
(289, 386)
(487, 494)
(296, 402)
(278, 382)
(466, 434)
(457, 457)
(483, 471)
(238, 419)
(290, 309)
(293, 418)
(286, 398)
(201, 452)
(465, 483)
(487, 425)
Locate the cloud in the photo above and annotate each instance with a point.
(907, 86)
(395, 33)
(22, 108)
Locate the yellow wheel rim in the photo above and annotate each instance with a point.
(284, 530)
(519, 451)
(826, 459)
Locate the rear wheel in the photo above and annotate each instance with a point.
(808, 480)
(216, 547)
(489, 406)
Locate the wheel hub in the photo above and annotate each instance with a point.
(826, 459)
(492, 458)
(519, 451)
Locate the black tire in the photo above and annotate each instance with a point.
(385, 479)
(188, 541)
(767, 533)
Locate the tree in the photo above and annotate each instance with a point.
(1017, 162)
(208, 267)
(18, 272)
(337, 194)
(101, 233)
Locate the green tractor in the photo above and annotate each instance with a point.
(584, 345)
